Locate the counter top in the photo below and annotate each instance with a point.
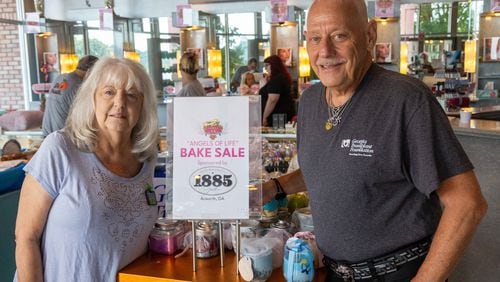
(152, 267)
(476, 127)
(488, 112)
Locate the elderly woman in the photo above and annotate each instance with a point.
(85, 209)
(275, 94)
(189, 67)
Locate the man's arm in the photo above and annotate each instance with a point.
(292, 182)
(463, 208)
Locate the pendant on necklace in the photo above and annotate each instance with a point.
(328, 125)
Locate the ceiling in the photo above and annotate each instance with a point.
(73, 10)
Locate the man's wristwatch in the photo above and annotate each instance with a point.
(280, 193)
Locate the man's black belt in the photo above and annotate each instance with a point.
(379, 266)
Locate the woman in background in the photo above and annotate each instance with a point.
(275, 94)
(85, 209)
(189, 67)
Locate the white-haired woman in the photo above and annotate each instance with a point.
(83, 210)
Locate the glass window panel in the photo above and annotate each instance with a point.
(266, 27)
(241, 23)
(101, 42)
(434, 18)
(79, 45)
(238, 52)
(141, 47)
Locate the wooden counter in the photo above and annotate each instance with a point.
(155, 268)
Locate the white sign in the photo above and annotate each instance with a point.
(211, 158)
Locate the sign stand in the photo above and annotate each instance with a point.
(217, 145)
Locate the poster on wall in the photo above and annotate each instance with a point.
(211, 158)
(491, 51)
(184, 15)
(384, 8)
(279, 11)
(49, 66)
(199, 53)
(285, 54)
(495, 6)
(383, 52)
(106, 19)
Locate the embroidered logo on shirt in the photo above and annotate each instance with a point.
(358, 147)
(345, 143)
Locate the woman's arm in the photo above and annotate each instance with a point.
(34, 205)
(272, 100)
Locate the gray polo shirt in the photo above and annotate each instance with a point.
(372, 178)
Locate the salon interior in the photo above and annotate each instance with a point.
(452, 46)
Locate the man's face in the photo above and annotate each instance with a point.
(252, 66)
(338, 43)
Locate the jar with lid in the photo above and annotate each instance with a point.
(166, 237)
(206, 240)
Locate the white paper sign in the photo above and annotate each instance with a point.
(210, 154)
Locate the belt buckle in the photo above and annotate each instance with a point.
(344, 271)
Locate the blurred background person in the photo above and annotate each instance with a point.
(236, 81)
(62, 93)
(83, 210)
(189, 67)
(275, 94)
(248, 85)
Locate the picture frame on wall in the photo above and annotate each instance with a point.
(383, 52)
(199, 53)
(495, 5)
(51, 61)
(384, 8)
(285, 54)
(491, 49)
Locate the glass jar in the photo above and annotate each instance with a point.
(166, 237)
(206, 240)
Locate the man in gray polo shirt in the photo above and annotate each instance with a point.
(392, 192)
(62, 93)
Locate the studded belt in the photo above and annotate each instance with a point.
(379, 266)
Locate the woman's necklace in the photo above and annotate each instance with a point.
(335, 114)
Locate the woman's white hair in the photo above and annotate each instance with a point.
(81, 125)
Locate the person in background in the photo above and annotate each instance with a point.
(425, 63)
(249, 86)
(384, 171)
(62, 93)
(84, 209)
(189, 67)
(251, 66)
(275, 94)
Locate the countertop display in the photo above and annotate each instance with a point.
(476, 127)
(154, 267)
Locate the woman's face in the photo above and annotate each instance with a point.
(267, 68)
(117, 109)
